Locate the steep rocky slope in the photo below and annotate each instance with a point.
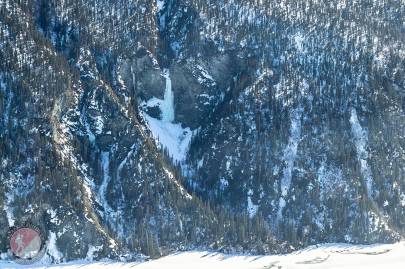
(148, 126)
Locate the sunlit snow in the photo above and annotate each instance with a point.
(323, 256)
(172, 137)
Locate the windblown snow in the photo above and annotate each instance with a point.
(322, 256)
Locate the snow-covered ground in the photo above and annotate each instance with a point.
(171, 136)
(322, 256)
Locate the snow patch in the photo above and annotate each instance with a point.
(160, 4)
(330, 180)
(251, 207)
(99, 124)
(360, 137)
(200, 163)
(223, 183)
(54, 218)
(53, 250)
(182, 190)
(154, 102)
(203, 76)
(91, 251)
(171, 136)
(8, 209)
(299, 39)
(402, 198)
(102, 194)
(289, 156)
(121, 165)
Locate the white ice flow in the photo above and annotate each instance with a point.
(167, 106)
(159, 4)
(322, 256)
(360, 136)
(171, 136)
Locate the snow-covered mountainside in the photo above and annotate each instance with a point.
(145, 127)
(325, 256)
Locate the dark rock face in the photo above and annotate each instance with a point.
(143, 75)
(288, 129)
